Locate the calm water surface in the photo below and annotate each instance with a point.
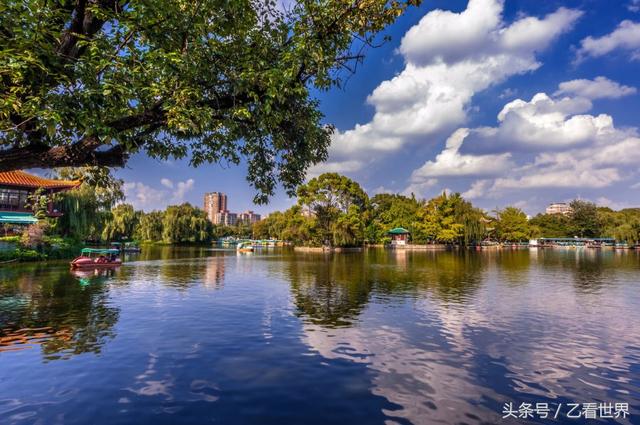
(197, 336)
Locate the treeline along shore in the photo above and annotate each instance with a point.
(331, 210)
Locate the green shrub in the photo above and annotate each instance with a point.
(22, 254)
(15, 239)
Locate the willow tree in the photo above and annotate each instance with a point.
(90, 82)
(150, 226)
(87, 207)
(122, 223)
(185, 224)
(450, 219)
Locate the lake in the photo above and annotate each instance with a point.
(202, 336)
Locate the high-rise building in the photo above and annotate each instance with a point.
(214, 203)
(226, 218)
(248, 217)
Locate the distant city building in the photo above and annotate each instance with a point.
(214, 203)
(306, 212)
(225, 218)
(215, 206)
(248, 217)
(559, 208)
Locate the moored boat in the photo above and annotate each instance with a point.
(92, 258)
(126, 247)
(244, 247)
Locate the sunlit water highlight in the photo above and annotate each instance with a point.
(194, 336)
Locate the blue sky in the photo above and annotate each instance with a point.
(521, 102)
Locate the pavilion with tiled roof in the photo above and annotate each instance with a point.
(15, 189)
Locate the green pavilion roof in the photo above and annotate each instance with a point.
(398, 231)
(17, 218)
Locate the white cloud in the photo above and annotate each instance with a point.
(449, 58)
(450, 162)
(541, 124)
(614, 205)
(634, 6)
(559, 176)
(181, 190)
(420, 189)
(573, 149)
(145, 197)
(478, 189)
(598, 88)
(341, 167)
(605, 162)
(625, 37)
(142, 196)
(166, 183)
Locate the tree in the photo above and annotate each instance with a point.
(329, 197)
(86, 208)
(551, 226)
(92, 82)
(389, 211)
(122, 223)
(150, 226)
(449, 219)
(584, 218)
(512, 225)
(185, 224)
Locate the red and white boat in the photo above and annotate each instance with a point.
(94, 258)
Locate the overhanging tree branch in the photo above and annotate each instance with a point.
(82, 152)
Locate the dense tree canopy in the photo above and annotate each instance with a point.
(339, 206)
(512, 225)
(185, 224)
(389, 211)
(449, 219)
(122, 223)
(89, 82)
(551, 226)
(584, 219)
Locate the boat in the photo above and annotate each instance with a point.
(126, 247)
(93, 258)
(244, 247)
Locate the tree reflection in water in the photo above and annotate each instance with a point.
(48, 306)
(332, 290)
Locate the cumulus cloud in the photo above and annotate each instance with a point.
(182, 188)
(142, 196)
(449, 57)
(606, 161)
(625, 37)
(478, 189)
(146, 198)
(567, 148)
(450, 162)
(543, 123)
(598, 88)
